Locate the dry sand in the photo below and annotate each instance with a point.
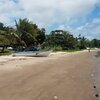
(58, 77)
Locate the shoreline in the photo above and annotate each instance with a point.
(96, 77)
(66, 76)
(11, 63)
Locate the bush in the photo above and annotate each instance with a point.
(57, 48)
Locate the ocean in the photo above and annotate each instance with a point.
(97, 76)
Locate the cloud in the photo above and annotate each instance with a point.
(96, 21)
(9, 9)
(45, 13)
(61, 27)
(90, 30)
(49, 11)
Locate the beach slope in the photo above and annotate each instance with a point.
(64, 78)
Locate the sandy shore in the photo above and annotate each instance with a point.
(10, 63)
(62, 76)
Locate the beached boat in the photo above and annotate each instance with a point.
(42, 53)
(24, 53)
(33, 54)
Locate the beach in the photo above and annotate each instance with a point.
(96, 76)
(61, 76)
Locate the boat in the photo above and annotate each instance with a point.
(24, 53)
(42, 53)
(33, 53)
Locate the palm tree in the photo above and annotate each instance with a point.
(29, 33)
(18, 34)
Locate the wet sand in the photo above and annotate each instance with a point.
(96, 76)
(54, 78)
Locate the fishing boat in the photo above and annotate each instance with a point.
(42, 53)
(33, 53)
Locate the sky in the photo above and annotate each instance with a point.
(77, 16)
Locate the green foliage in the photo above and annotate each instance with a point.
(28, 34)
(82, 42)
(1, 26)
(4, 40)
(57, 48)
(5, 52)
(95, 43)
(60, 38)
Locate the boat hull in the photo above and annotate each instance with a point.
(34, 54)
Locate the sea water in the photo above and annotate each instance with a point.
(97, 76)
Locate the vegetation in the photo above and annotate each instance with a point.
(60, 40)
(28, 34)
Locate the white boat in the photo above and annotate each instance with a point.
(42, 53)
(24, 53)
(33, 54)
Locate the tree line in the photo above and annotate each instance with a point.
(27, 34)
